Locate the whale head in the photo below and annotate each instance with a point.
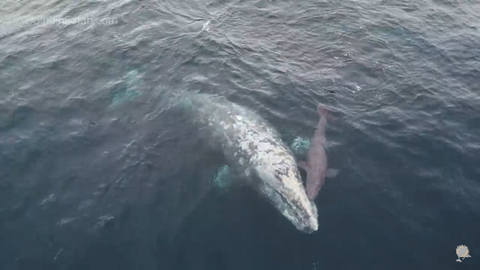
(282, 186)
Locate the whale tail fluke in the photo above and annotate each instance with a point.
(324, 112)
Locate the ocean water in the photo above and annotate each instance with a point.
(97, 173)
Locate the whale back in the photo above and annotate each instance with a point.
(254, 149)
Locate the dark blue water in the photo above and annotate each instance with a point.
(97, 173)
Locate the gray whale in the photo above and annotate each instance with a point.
(316, 164)
(253, 149)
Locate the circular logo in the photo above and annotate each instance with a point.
(462, 253)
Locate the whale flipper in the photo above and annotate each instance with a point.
(300, 146)
(227, 177)
(331, 172)
(222, 177)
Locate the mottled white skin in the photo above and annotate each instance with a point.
(254, 148)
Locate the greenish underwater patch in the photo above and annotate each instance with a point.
(300, 146)
(223, 178)
(128, 90)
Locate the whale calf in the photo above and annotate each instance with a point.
(316, 164)
(253, 149)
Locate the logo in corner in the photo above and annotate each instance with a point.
(462, 253)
